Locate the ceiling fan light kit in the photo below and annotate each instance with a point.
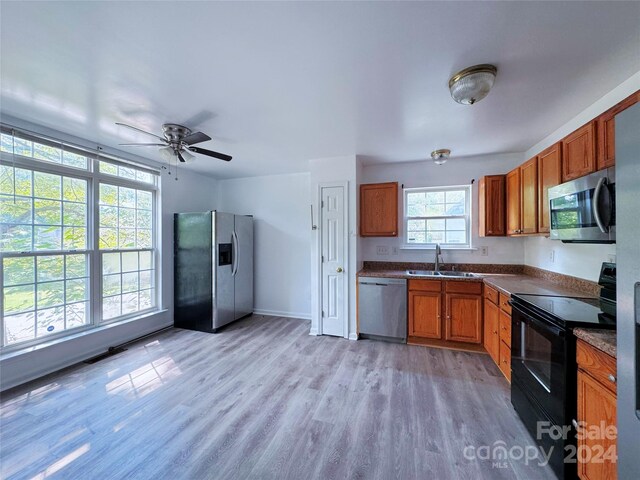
(472, 84)
(440, 156)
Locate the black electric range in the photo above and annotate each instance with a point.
(572, 312)
(543, 362)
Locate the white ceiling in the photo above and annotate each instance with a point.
(276, 84)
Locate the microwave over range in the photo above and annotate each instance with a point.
(583, 210)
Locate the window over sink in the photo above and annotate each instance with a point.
(438, 215)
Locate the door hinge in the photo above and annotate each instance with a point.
(321, 203)
(323, 313)
(322, 258)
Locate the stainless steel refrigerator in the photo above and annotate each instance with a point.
(213, 269)
(627, 142)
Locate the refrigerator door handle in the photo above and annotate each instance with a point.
(236, 253)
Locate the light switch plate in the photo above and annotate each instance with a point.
(484, 251)
(382, 250)
(394, 250)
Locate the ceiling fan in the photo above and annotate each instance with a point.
(177, 143)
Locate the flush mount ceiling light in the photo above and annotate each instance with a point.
(440, 156)
(472, 84)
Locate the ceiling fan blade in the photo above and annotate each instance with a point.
(143, 144)
(142, 131)
(197, 137)
(180, 157)
(210, 153)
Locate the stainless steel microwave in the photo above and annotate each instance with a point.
(583, 210)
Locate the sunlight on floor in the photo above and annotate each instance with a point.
(63, 462)
(145, 379)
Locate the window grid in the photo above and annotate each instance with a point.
(438, 215)
(66, 215)
(34, 316)
(127, 290)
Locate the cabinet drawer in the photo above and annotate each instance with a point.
(505, 361)
(425, 285)
(504, 303)
(473, 288)
(598, 364)
(492, 294)
(505, 328)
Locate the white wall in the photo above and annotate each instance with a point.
(335, 169)
(282, 239)
(192, 192)
(578, 260)
(457, 171)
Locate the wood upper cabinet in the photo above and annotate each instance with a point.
(522, 198)
(513, 201)
(379, 210)
(491, 334)
(549, 175)
(464, 317)
(425, 316)
(492, 206)
(579, 152)
(529, 196)
(605, 127)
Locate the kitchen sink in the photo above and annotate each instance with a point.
(433, 273)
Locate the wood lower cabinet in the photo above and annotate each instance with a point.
(464, 317)
(492, 206)
(513, 201)
(579, 152)
(596, 413)
(425, 316)
(497, 329)
(449, 312)
(549, 175)
(379, 210)
(605, 127)
(491, 334)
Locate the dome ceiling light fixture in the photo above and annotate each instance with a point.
(440, 156)
(472, 84)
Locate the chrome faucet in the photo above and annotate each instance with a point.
(438, 257)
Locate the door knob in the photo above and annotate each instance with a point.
(339, 269)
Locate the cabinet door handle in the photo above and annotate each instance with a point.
(612, 378)
(575, 424)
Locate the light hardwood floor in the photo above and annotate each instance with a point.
(263, 400)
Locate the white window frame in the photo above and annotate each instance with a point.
(93, 177)
(468, 217)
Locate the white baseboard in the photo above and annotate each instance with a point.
(313, 331)
(353, 336)
(277, 313)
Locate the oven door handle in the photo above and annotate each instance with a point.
(542, 326)
(596, 197)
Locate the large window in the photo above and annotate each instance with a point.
(78, 240)
(438, 215)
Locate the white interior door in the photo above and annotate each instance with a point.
(333, 261)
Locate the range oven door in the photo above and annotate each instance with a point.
(583, 210)
(539, 361)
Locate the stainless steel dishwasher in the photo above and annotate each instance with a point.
(382, 308)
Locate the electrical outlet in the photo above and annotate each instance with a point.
(394, 250)
(552, 256)
(383, 250)
(484, 251)
(611, 258)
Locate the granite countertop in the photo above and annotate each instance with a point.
(506, 283)
(527, 284)
(604, 340)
